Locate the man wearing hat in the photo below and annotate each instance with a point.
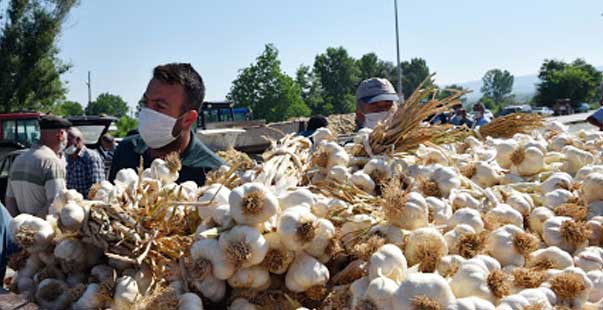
(376, 99)
(38, 175)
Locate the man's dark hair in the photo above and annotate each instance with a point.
(317, 121)
(185, 75)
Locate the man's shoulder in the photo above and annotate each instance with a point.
(130, 143)
(199, 155)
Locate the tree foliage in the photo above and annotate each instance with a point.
(267, 90)
(414, 72)
(108, 104)
(577, 81)
(124, 124)
(310, 90)
(68, 108)
(338, 76)
(30, 69)
(497, 84)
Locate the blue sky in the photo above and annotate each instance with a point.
(121, 41)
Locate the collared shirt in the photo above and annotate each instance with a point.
(481, 121)
(36, 178)
(197, 159)
(107, 156)
(85, 170)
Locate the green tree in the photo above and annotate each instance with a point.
(267, 90)
(413, 73)
(310, 89)
(30, 69)
(124, 125)
(497, 84)
(447, 91)
(369, 65)
(109, 104)
(338, 76)
(69, 108)
(577, 81)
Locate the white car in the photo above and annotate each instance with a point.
(544, 111)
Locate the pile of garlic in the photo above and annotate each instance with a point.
(480, 224)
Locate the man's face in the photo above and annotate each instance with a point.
(376, 107)
(169, 100)
(74, 140)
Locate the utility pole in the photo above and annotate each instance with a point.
(401, 94)
(89, 89)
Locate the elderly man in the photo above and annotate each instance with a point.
(84, 167)
(376, 99)
(38, 175)
(170, 107)
(105, 150)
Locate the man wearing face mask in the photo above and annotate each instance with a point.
(85, 167)
(479, 118)
(169, 110)
(38, 175)
(376, 99)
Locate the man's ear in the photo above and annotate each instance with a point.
(189, 119)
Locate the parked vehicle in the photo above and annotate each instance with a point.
(92, 127)
(544, 111)
(18, 131)
(583, 108)
(515, 109)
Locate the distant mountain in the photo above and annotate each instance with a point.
(524, 87)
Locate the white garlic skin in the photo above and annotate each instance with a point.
(388, 261)
(430, 285)
(269, 204)
(305, 272)
(190, 301)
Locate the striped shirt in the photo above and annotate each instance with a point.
(36, 178)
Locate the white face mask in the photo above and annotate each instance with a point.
(62, 145)
(70, 150)
(155, 128)
(372, 119)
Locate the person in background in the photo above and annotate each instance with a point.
(315, 122)
(105, 150)
(169, 110)
(38, 175)
(479, 118)
(596, 119)
(8, 246)
(376, 99)
(85, 167)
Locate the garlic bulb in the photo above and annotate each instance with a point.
(53, 294)
(413, 212)
(586, 171)
(306, 272)
(423, 291)
(325, 231)
(425, 246)
(446, 180)
(471, 303)
(550, 258)
(504, 152)
(94, 297)
(576, 159)
(486, 174)
(510, 245)
(340, 174)
(462, 199)
(255, 277)
(557, 197)
(242, 304)
(558, 180)
(596, 294)
(208, 257)
(62, 199)
(189, 301)
(501, 215)
(331, 154)
(467, 216)
(449, 265)
(538, 217)
(278, 258)
(127, 179)
(591, 188)
(456, 236)
(571, 286)
(243, 246)
(165, 170)
(297, 226)
(589, 258)
(388, 261)
(126, 293)
(565, 233)
(363, 181)
(323, 134)
(379, 294)
(527, 161)
(479, 277)
(520, 202)
(298, 197)
(212, 288)
(440, 210)
(31, 232)
(72, 216)
(213, 196)
(252, 203)
(378, 170)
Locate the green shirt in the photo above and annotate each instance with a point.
(197, 159)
